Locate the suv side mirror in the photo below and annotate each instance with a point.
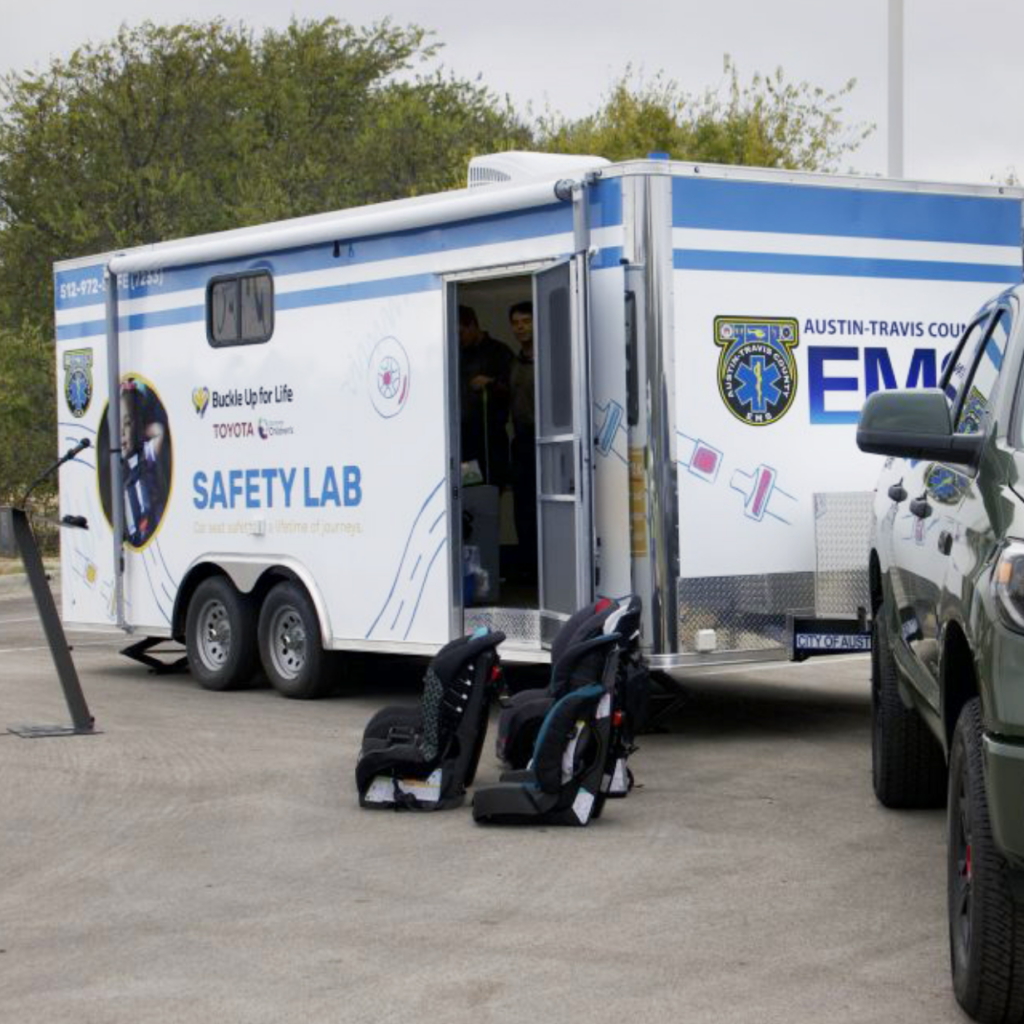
(915, 425)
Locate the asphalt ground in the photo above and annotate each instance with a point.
(205, 859)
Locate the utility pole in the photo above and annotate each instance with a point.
(895, 88)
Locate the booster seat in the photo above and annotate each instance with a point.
(424, 758)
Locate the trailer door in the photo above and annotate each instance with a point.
(564, 450)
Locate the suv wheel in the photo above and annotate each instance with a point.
(907, 766)
(220, 635)
(290, 646)
(986, 926)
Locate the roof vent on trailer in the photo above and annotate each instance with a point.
(515, 165)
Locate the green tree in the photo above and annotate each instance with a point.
(768, 122)
(180, 130)
(169, 131)
(27, 424)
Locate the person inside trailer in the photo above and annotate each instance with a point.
(485, 366)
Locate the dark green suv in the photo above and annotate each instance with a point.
(947, 679)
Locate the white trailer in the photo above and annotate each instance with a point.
(289, 406)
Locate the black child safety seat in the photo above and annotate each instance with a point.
(424, 758)
(632, 696)
(523, 712)
(563, 784)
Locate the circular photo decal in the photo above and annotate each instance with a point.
(146, 460)
(388, 377)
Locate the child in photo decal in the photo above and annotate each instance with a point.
(145, 460)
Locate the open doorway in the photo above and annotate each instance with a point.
(521, 451)
(497, 436)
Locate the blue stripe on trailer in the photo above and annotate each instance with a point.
(133, 322)
(384, 288)
(517, 226)
(84, 286)
(606, 203)
(85, 329)
(843, 266)
(610, 256)
(289, 300)
(852, 212)
(358, 290)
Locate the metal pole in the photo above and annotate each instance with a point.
(586, 540)
(114, 455)
(895, 88)
(59, 650)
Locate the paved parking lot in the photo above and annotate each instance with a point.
(205, 859)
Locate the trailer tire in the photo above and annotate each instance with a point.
(220, 635)
(986, 925)
(290, 643)
(907, 765)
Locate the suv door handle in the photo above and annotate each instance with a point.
(920, 507)
(945, 542)
(898, 492)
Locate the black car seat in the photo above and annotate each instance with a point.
(631, 698)
(429, 767)
(523, 712)
(563, 784)
(405, 722)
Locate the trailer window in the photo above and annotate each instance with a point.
(240, 309)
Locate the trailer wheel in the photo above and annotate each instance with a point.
(220, 635)
(986, 926)
(907, 765)
(290, 644)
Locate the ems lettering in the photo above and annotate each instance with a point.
(277, 487)
(838, 369)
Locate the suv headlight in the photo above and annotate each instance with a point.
(1008, 584)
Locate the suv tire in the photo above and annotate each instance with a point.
(291, 648)
(907, 766)
(986, 926)
(220, 635)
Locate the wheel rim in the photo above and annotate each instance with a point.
(288, 642)
(963, 882)
(214, 635)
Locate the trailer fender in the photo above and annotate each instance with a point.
(248, 575)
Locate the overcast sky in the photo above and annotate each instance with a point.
(964, 71)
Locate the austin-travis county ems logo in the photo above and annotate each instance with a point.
(78, 381)
(756, 367)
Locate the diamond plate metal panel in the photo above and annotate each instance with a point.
(520, 625)
(842, 536)
(747, 613)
